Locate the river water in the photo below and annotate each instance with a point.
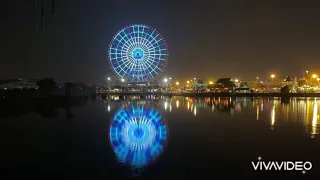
(163, 138)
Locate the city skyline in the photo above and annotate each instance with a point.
(215, 39)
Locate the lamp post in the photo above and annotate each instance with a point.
(272, 77)
(165, 82)
(108, 79)
(315, 77)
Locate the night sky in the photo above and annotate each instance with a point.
(206, 39)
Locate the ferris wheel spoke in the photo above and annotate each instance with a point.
(151, 47)
(133, 39)
(144, 39)
(150, 35)
(148, 39)
(120, 42)
(129, 40)
(125, 35)
(122, 39)
(144, 67)
(141, 37)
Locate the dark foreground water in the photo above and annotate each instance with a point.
(181, 138)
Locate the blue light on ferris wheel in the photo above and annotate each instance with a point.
(137, 135)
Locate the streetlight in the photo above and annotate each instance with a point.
(272, 77)
(210, 82)
(194, 83)
(314, 76)
(188, 82)
(108, 79)
(177, 83)
(236, 80)
(165, 80)
(122, 80)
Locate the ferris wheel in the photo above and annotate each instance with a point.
(138, 53)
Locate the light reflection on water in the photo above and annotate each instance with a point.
(300, 110)
(138, 135)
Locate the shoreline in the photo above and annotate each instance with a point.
(213, 94)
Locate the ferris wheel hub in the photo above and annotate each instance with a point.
(138, 54)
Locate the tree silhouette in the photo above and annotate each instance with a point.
(68, 86)
(47, 86)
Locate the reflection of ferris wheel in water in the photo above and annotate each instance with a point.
(138, 53)
(138, 135)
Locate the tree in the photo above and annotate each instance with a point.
(68, 86)
(47, 86)
(302, 83)
(244, 84)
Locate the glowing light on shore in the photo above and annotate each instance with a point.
(314, 119)
(258, 110)
(314, 76)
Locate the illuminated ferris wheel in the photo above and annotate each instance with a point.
(138, 53)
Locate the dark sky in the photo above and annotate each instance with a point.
(206, 39)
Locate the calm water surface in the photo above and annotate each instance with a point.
(181, 137)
